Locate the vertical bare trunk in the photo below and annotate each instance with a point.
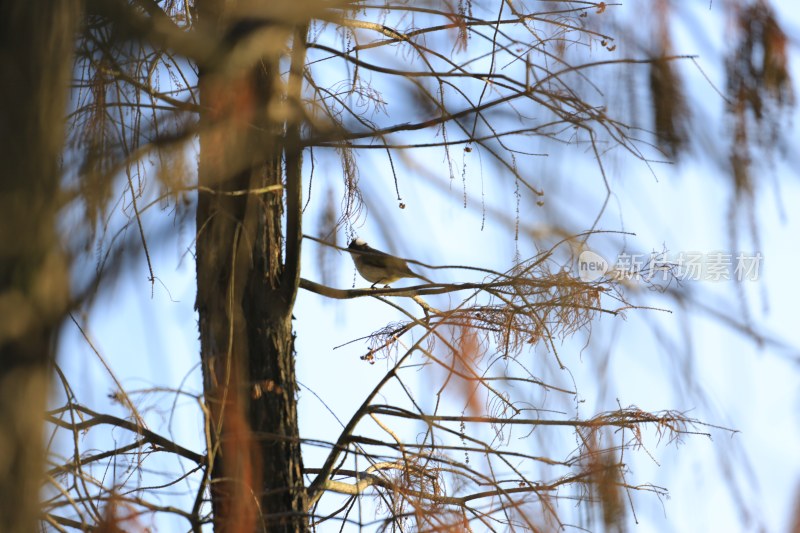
(245, 291)
(36, 43)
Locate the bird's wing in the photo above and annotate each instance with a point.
(374, 257)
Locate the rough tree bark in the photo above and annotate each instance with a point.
(245, 289)
(36, 43)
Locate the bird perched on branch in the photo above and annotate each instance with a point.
(379, 267)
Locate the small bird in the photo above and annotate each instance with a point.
(379, 267)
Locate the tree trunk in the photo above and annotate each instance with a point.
(245, 291)
(36, 43)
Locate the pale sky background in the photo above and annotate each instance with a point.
(150, 341)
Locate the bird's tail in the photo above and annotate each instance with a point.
(419, 276)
